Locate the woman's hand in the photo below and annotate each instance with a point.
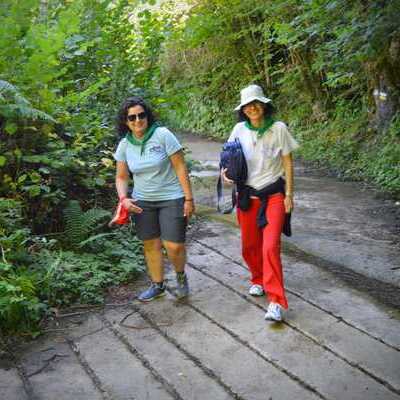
(130, 205)
(224, 178)
(188, 208)
(289, 204)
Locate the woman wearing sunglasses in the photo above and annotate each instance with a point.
(161, 201)
(267, 199)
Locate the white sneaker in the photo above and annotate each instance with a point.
(274, 312)
(256, 290)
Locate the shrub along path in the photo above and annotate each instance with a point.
(338, 342)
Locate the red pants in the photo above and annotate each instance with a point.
(261, 248)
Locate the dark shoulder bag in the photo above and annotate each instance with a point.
(232, 158)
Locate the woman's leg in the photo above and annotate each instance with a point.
(272, 265)
(252, 241)
(153, 256)
(173, 234)
(176, 253)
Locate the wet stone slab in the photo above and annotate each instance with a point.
(291, 350)
(54, 373)
(186, 376)
(330, 331)
(243, 372)
(11, 385)
(118, 371)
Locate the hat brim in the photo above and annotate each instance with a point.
(264, 100)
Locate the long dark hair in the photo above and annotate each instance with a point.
(122, 116)
(269, 110)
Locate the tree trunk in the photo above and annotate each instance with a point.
(386, 88)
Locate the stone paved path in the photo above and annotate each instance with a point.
(337, 342)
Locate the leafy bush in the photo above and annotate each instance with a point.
(70, 277)
(13, 233)
(380, 162)
(20, 306)
(57, 278)
(36, 274)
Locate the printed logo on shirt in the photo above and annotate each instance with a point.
(156, 149)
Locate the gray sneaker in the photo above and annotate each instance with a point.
(182, 285)
(153, 292)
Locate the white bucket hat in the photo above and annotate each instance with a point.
(251, 93)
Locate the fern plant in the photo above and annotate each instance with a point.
(20, 306)
(80, 225)
(13, 105)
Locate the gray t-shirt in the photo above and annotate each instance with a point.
(153, 175)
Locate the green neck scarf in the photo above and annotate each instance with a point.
(268, 122)
(132, 139)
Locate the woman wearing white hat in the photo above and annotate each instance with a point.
(267, 145)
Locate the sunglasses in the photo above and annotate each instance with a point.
(137, 117)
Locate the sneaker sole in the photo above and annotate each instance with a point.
(152, 298)
(256, 295)
(273, 319)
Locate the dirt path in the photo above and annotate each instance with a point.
(338, 342)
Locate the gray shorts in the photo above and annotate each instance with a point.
(161, 219)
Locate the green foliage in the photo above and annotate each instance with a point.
(380, 163)
(35, 275)
(57, 278)
(64, 55)
(20, 307)
(80, 225)
(72, 65)
(338, 144)
(320, 61)
(69, 277)
(13, 234)
(14, 106)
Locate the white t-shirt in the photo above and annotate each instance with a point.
(264, 155)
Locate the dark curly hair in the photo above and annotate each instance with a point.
(122, 116)
(269, 110)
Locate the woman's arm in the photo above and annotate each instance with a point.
(121, 183)
(288, 168)
(122, 179)
(179, 165)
